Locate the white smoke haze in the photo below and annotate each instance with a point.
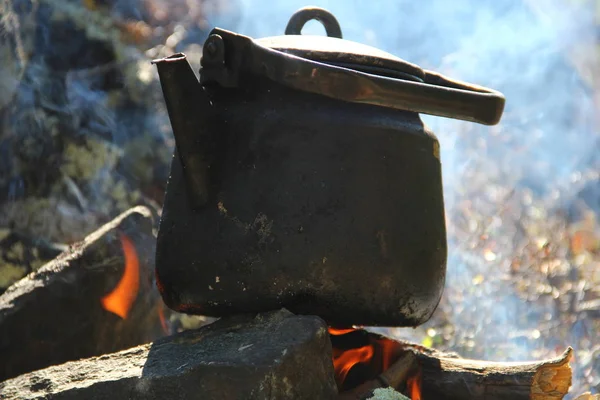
(507, 188)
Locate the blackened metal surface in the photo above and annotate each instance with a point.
(436, 95)
(183, 95)
(316, 205)
(302, 16)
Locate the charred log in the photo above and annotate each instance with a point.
(456, 378)
(440, 376)
(56, 313)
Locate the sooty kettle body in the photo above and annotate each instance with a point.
(304, 178)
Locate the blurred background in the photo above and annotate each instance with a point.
(84, 135)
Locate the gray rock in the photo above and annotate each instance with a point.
(274, 355)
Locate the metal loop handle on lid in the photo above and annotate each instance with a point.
(302, 16)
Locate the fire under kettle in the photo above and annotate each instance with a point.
(304, 178)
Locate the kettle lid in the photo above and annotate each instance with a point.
(336, 51)
(344, 70)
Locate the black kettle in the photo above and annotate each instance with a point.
(304, 178)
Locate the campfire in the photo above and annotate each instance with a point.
(85, 156)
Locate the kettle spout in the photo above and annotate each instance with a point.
(187, 104)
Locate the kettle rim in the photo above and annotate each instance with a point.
(345, 53)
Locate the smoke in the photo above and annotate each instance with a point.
(519, 47)
(497, 179)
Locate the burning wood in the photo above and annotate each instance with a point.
(395, 377)
(422, 373)
(62, 312)
(413, 385)
(344, 360)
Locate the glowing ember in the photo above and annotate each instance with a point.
(413, 386)
(120, 300)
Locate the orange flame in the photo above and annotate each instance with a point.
(336, 332)
(343, 361)
(120, 300)
(388, 350)
(379, 353)
(413, 385)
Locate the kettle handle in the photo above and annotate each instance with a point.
(228, 55)
(333, 29)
